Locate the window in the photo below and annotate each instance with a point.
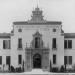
(54, 30)
(19, 43)
(7, 60)
(6, 44)
(70, 59)
(67, 60)
(54, 59)
(0, 60)
(20, 59)
(19, 30)
(54, 43)
(37, 42)
(67, 44)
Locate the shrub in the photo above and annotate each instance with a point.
(12, 69)
(55, 69)
(62, 69)
(18, 69)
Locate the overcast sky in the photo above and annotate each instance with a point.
(53, 10)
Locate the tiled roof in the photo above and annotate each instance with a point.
(38, 23)
(69, 35)
(5, 35)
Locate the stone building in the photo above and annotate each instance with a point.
(37, 43)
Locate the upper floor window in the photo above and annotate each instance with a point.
(6, 44)
(19, 30)
(37, 42)
(54, 43)
(20, 43)
(54, 30)
(67, 44)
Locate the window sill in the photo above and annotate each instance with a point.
(7, 49)
(67, 48)
(54, 48)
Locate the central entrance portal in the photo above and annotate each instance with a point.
(37, 61)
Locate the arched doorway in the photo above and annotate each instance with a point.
(37, 61)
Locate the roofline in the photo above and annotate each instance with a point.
(37, 23)
(6, 35)
(69, 35)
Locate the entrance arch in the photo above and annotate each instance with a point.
(37, 61)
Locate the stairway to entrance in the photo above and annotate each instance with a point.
(37, 71)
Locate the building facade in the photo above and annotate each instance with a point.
(37, 43)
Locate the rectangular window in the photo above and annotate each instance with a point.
(69, 43)
(65, 44)
(20, 59)
(19, 43)
(65, 60)
(54, 59)
(0, 60)
(54, 43)
(6, 44)
(70, 60)
(7, 60)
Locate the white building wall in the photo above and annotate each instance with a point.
(4, 53)
(71, 52)
(47, 36)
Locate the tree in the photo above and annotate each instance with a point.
(50, 66)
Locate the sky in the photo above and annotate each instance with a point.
(53, 10)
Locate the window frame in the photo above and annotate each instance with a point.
(54, 43)
(54, 59)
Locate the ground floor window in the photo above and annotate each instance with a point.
(54, 59)
(67, 60)
(19, 59)
(7, 60)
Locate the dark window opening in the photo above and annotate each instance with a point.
(54, 30)
(9, 44)
(70, 59)
(65, 44)
(65, 60)
(8, 60)
(37, 42)
(54, 43)
(19, 30)
(54, 59)
(20, 59)
(4, 44)
(19, 43)
(69, 43)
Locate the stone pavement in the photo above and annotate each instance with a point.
(37, 72)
